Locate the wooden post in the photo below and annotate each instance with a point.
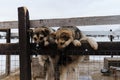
(24, 43)
(7, 56)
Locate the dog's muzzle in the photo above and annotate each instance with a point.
(37, 46)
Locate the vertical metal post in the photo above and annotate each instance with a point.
(24, 43)
(7, 56)
(111, 39)
(111, 36)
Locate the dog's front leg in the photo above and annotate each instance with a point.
(67, 43)
(76, 43)
(91, 41)
(63, 74)
(50, 70)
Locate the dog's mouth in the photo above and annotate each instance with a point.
(62, 45)
(63, 42)
(38, 41)
(38, 46)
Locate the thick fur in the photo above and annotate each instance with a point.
(66, 35)
(42, 36)
(63, 37)
(71, 34)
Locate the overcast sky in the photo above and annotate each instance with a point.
(41, 9)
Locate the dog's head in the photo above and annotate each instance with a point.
(63, 38)
(39, 35)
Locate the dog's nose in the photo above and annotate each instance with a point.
(61, 43)
(37, 46)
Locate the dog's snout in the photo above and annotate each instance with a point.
(37, 46)
(41, 38)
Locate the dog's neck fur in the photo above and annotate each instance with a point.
(77, 34)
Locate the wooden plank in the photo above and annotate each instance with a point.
(108, 47)
(9, 24)
(111, 62)
(77, 21)
(8, 58)
(4, 30)
(104, 48)
(24, 39)
(9, 49)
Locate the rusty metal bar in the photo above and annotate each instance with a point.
(24, 43)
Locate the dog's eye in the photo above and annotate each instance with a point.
(41, 38)
(54, 38)
(35, 39)
(66, 38)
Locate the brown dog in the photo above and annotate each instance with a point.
(71, 34)
(66, 35)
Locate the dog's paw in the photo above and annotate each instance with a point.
(76, 43)
(93, 43)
